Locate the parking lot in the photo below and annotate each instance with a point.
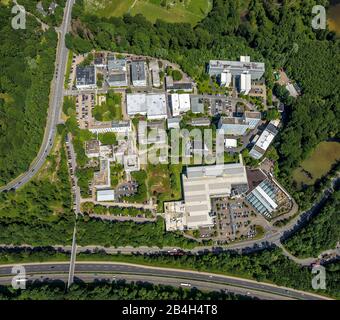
(234, 219)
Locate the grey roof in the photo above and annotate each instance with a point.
(180, 86)
(138, 71)
(86, 75)
(215, 170)
(197, 105)
(200, 121)
(114, 64)
(174, 120)
(113, 77)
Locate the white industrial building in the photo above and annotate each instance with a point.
(236, 68)
(136, 104)
(230, 143)
(226, 79)
(245, 83)
(156, 106)
(152, 105)
(123, 127)
(200, 184)
(175, 108)
(105, 195)
(184, 102)
(265, 139)
(180, 103)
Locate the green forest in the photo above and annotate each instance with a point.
(117, 290)
(26, 73)
(321, 234)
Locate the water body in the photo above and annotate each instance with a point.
(333, 16)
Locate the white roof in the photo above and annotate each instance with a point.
(245, 82)
(202, 183)
(156, 105)
(105, 195)
(175, 104)
(136, 103)
(184, 102)
(230, 143)
(245, 58)
(265, 140)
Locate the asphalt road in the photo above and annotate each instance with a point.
(56, 102)
(166, 276)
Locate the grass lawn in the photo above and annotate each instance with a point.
(164, 182)
(111, 110)
(68, 68)
(318, 163)
(189, 11)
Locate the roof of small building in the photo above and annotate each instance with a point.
(86, 75)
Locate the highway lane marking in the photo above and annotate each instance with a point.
(183, 271)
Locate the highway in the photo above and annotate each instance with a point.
(174, 277)
(56, 102)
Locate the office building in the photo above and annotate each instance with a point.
(138, 74)
(265, 139)
(86, 77)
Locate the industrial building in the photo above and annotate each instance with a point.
(116, 65)
(86, 77)
(265, 139)
(245, 83)
(123, 127)
(174, 123)
(172, 86)
(200, 122)
(264, 198)
(138, 74)
(152, 105)
(236, 68)
(197, 104)
(156, 106)
(200, 184)
(180, 103)
(233, 126)
(117, 79)
(105, 195)
(230, 143)
(225, 79)
(154, 69)
(238, 126)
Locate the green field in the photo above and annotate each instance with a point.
(190, 11)
(318, 164)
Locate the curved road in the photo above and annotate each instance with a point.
(56, 102)
(175, 277)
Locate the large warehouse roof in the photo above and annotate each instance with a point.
(202, 183)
